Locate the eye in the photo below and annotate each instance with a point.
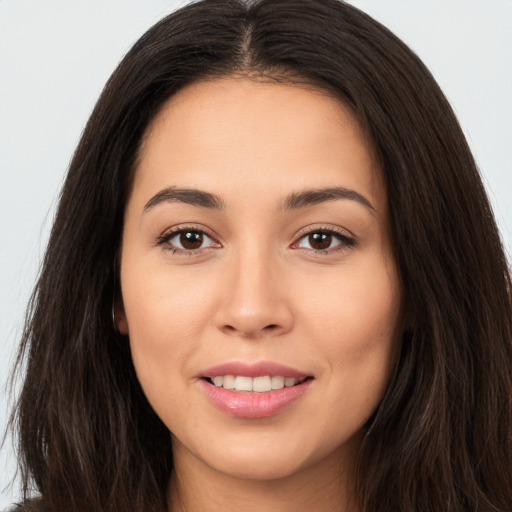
(187, 240)
(323, 240)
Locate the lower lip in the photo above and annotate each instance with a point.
(243, 404)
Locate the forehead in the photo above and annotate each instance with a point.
(256, 134)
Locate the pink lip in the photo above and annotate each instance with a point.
(254, 370)
(243, 404)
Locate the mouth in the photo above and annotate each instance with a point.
(259, 384)
(254, 391)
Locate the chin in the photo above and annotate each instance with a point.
(265, 458)
(260, 466)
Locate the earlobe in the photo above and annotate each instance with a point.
(122, 325)
(119, 318)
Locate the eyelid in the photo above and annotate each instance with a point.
(169, 233)
(346, 238)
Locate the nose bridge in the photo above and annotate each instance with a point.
(253, 278)
(254, 302)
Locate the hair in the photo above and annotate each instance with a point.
(441, 439)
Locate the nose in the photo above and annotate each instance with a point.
(254, 301)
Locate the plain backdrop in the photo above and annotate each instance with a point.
(55, 56)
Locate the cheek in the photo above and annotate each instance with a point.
(359, 307)
(354, 322)
(165, 314)
(162, 303)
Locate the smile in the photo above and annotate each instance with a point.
(255, 390)
(260, 384)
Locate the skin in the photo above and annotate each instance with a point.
(259, 289)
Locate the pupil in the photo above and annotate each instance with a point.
(320, 241)
(191, 240)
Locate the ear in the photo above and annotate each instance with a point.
(120, 321)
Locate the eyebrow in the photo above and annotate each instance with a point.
(294, 201)
(189, 196)
(315, 196)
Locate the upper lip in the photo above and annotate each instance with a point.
(254, 370)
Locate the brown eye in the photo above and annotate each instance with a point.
(324, 240)
(320, 241)
(191, 240)
(187, 240)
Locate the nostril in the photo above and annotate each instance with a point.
(252, 329)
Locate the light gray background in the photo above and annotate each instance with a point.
(55, 57)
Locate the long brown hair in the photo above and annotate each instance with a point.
(441, 438)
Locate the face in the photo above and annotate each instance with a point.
(256, 255)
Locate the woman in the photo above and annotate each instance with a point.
(274, 282)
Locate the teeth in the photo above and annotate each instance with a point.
(277, 382)
(228, 382)
(243, 384)
(289, 382)
(218, 381)
(261, 384)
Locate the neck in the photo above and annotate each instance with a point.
(325, 486)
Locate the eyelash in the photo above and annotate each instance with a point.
(164, 240)
(345, 241)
